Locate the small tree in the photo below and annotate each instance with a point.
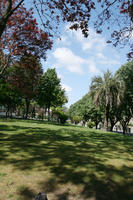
(77, 119)
(60, 115)
(91, 124)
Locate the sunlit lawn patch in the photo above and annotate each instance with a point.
(66, 162)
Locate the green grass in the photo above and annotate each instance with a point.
(66, 162)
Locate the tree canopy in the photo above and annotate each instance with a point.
(85, 110)
(125, 74)
(22, 36)
(115, 15)
(50, 92)
(106, 92)
(110, 99)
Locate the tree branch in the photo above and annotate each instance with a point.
(14, 9)
(8, 12)
(5, 67)
(8, 8)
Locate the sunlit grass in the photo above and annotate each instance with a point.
(66, 162)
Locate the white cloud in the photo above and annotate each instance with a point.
(110, 62)
(94, 40)
(66, 58)
(92, 67)
(100, 56)
(106, 61)
(67, 88)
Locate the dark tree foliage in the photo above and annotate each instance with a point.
(24, 76)
(22, 36)
(125, 74)
(87, 110)
(9, 97)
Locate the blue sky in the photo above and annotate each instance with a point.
(77, 60)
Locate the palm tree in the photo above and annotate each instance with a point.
(106, 93)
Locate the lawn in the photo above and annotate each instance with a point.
(66, 162)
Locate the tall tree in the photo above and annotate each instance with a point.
(22, 36)
(24, 76)
(106, 93)
(50, 92)
(125, 74)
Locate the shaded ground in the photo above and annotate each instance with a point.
(68, 163)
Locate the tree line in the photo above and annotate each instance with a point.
(22, 42)
(110, 100)
(24, 86)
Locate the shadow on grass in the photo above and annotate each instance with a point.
(72, 156)
(26, 194)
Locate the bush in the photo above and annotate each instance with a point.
(61, 116)
(91, 124)
(77, 119)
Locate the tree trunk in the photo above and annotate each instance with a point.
(48, 114)
(2, 26)
(105, 123)
(7, 111)
(45, 111)
(124, 129)
(124, 124)
(96, 124)
(112, 123)
(7, 13)
(27, 101)
(84, 123)
(34, 112)
(106, 117)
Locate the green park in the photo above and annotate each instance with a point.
(66, 162)
(66, 100)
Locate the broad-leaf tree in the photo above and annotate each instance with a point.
(51, 12)
(9, 97)
(24, 76)
(125, 74)
(22, 36)
(50, 92)
(87, 110)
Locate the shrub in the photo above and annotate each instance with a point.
(61, 116)
(91, 124)
(77, 119)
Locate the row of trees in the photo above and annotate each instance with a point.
(110, 99)
(85, 110)
(24, 85)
